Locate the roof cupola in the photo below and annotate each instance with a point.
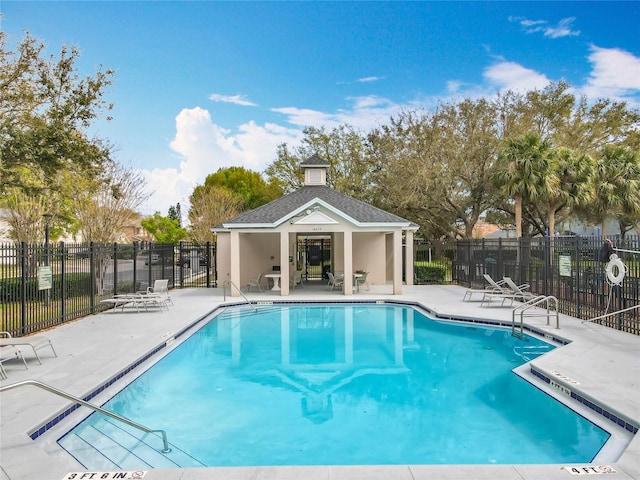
(315, 170)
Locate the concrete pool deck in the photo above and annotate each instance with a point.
(602, 364)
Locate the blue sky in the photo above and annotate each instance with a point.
(202, 85)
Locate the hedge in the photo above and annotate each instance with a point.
(77, 284)
(430, 274)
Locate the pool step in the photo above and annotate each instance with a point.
(530, 352)
(104, 444)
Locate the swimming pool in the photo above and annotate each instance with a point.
(354, 384)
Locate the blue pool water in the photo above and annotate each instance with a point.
(354, 384)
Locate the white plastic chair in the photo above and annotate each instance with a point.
(255, 282)
(334, 281)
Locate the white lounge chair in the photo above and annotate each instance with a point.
(510, 292)
(36, 342)
(159, 292)
(255, 282)
(520, 291)
(10, 353)
(494, 287)
(137, 300)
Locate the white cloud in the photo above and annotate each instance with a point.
(235, 99)
(513, 76)
(203, 147)
(369, 79)
(562, 29)
(366, 112)
(615, 74)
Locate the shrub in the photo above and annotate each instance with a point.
(430, 273)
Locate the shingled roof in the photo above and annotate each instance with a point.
(282, 209)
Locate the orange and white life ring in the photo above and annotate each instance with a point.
(615, 270)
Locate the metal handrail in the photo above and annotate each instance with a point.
(613, 313)
(533, 303)
(120, 418)
(224, 293)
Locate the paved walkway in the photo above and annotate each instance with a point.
(603, 365)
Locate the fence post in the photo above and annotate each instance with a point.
(63, 281)
(115, 269)
(208, 264)
(181, 270)
(547, 265)
(135, 266)
(92, 274)
(23, 288)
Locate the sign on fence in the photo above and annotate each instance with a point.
(45, 278)
(564, 265)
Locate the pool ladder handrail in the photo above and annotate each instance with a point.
(229, 283)
(548, 300)
(60, 393)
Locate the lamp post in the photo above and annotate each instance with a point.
(47, 219)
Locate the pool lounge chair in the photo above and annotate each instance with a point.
(159, 292)
(520, 291)
(494, 287)
(136, 300)
(510, 292)
(10, 353)
(36, 342)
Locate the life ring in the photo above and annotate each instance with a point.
(615, 270)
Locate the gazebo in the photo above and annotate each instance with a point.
(315, 230)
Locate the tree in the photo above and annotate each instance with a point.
(616, 186)
(210, 206)
(249, 186)
(434, 168)
(104, 204)
(526, 173)
(572, 174)
(45, 111)
(343, 147)
(164, 229)
(175, 213)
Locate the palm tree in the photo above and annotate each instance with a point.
(572, 173)
(616, 185)
(527, 174)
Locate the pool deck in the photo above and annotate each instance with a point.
(602, 364)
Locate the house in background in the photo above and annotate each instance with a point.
(315, 230)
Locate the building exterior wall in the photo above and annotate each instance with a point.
(369, 253)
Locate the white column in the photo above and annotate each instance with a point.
(234, 253)
(397, 262)
(348, 262)
(408, 264)
(284, 263)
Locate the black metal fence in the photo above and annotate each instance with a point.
(42, 285)
(569, 268)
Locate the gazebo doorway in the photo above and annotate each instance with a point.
(314, 256)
